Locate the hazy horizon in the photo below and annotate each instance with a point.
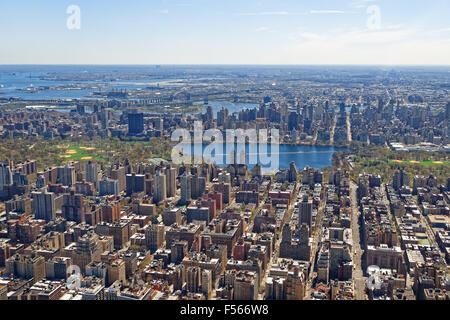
(226, 65)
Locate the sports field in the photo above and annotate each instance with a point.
(80, 153)
(424, 163)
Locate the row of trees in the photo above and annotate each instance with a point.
(381, 160)
(47, 152)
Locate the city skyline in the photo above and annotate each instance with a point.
(228, 151)
(354, 32)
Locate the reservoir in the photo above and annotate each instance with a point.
(316, 157)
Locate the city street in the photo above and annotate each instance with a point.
(359, 280)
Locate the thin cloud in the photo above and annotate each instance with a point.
(440, 30)
(358, 4)
(267, 13)
(357, 37)
(184, 4)
(394, 27)
(326, 12)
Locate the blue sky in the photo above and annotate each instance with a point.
(226, 32)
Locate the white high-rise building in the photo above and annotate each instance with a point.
(160, 191)
(171, 181)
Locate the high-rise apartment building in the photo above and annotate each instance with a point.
(92, 171)
(160, 190)
(155, 236)
(198, 186)
(108, 187)
(6, 178)
(246, 286)
(44, 205)
(74, 208)
(135, 183)
(206, 282)
(186, 193)
(193, 279)
(118, 173)
(66, 175)
(171, 181)
(401, 179)
(86, 250)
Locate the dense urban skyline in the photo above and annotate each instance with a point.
(100, 200)
(227, 151)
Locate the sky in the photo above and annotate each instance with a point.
(343, 32)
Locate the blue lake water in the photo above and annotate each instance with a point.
(313, 156)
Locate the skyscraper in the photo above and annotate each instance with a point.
(193, 279)
(6, 178)
(66, 175)
(40, 181)
(171, 181)
(246, 286)
(160, 191)
(224, 177)
(44, 205)
(155, 236)
(400, 180)
(222, 117)
(92, 170)
(74, 207)
(305, 212)
(86, 250)
(292, 172)
(135, 183)
(186, 182)
(108, 187)
(206, 280)
(209, 115)
(118, 173)
(257, 171)
(198, 186)
(135, 123)
(105, 118)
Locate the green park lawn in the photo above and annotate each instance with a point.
(80, 153)
(424, 163)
